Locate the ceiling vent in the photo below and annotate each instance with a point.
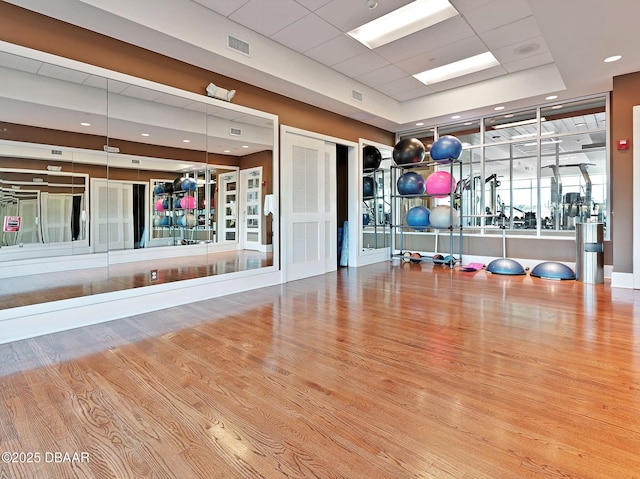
(235, 132)
(238, 45)
(356, 95)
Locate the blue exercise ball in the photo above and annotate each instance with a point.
(409, 150)
(189, 184)
(418, 217)
(371, 158)
(446, 148)
(411, 183)
(365, 219)
(158, 189)
(552, 270)
(368, 187)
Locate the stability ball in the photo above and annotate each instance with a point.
(368, 187)
(553, 270)
(443, 216)
(411, 183)
(158, 189)
(168, 187)
(440, 184)
(418, 217)
(445, 149)
(187, 221)
(365, 219)
(409, 150)
(371, 158)
(177, 184)
(187, 202)
(189, 184)
(159, 205)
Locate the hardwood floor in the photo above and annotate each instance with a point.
(385, 371)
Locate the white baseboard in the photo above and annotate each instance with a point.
(622, 280)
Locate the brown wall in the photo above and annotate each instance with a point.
(29, 29)
(626, 94)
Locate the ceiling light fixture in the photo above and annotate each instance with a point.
(499, 108)
(551, 97)
(614, 58)
(517, 123)
(84, 123)
(457, 69)
(411, 18)
(371, 4)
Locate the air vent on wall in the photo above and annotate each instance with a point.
(356, 95)
(56, 152)
(235, 132)
(238, 45)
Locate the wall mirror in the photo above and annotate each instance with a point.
(108, 182)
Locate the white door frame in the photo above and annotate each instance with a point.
(243, 213)
(286, 247)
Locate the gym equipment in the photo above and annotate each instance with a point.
(471, 267)
(177, 184)
(409, 150)
(440, 184)
(189, 184)
(438, 258)
(157, 220)
(449, 259)
(168, 187)
(368, 187)
(504, 265)
(443, 216)
(166, 221)
(371, 158)
(365, 219)
(572, 208)
(167, 204)
(418, 217)
(552, 270)
(187, 202)
(188, 220)
(411, 183)
(445, 149)
(159, 205)
(158, 189)
(416, 257)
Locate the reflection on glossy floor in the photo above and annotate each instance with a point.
(34, 289)
(385, 371)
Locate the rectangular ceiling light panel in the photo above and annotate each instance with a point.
(457, 69)
(411, 18)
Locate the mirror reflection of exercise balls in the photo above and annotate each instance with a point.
(168, 187)
(189, 184)
(411, 183)
(188, 220)
(440, 184)
(368, 187)
(443, 216)
(418, 217)
(158, 189)
(407, 151)
(166, 221)
(157, 220)
(445, 149)
(159, 205)
(177, 184)
(371, 158)
(187, 202)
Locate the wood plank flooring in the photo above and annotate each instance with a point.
(385, 371)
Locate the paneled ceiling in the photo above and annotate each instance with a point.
(299, 48)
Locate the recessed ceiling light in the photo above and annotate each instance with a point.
(144, 134)
(614, 58)
(84, 123)
(186, 141)
(411, 18)
(457, 69)
(468, 123)
(227, 151)
(419, 124)
(498, 108)
(245, 146)
(455, 117)
(517, 123)
(551, 97)
(556, 107)
(508, 115)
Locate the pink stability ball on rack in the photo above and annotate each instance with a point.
(187, 202)
(440, 184)
(158, 206)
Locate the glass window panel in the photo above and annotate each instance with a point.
(583, 115)
(468, 132)
(512, 126)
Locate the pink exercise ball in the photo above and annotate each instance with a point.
(188, 202)
(440, 184)
(159, 206)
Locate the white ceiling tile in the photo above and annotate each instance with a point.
(382, 75)
(269, 17)
(450, 31)
(96, 81)
(17, 62)
(306, 33)
(62, 73)
(511, 33)
(223, 7)
(141, 93)
(336, 50)
(497, 13)
(442, 56)
(413, 94)
(519, 51)
(347, 15)
(406, 84)
(361, 64)
(313, 4)
(469, 79)
(465, 5)
(528, 62)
